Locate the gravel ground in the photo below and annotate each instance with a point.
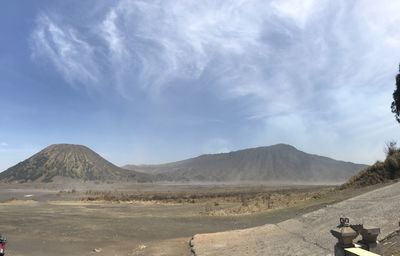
(307, 234)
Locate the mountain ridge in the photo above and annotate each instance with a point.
(280, 162)
(276, 163)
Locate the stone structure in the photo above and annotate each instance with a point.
(346, 233)
(369, 239)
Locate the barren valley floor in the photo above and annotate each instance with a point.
(45, 221)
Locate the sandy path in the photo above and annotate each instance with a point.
(307, 234)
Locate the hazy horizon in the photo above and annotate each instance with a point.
(147, 82)
(190, 157)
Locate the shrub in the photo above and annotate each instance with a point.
(371, 175)
(391, 148)
(392, 165)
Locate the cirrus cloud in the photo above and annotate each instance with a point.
(321, 65)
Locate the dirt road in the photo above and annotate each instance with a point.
(307, 234)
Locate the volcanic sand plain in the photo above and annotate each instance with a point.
(138, 219)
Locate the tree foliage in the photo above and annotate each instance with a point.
(396, 98)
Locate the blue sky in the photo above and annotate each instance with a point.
(158, 81)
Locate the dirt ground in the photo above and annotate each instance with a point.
(391, 244)
(142, 219)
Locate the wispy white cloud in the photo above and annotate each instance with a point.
(3, 144)
(247, 47)
(67, 50)
(297, 10)
(325, 66)
(111, 34)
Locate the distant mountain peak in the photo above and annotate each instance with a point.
(275, 163)
(283, 145)
(274, 146)
(69, 161)
(65, 146)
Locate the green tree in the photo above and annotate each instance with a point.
(396, 98)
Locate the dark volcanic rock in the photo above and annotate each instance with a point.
(69, 161)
